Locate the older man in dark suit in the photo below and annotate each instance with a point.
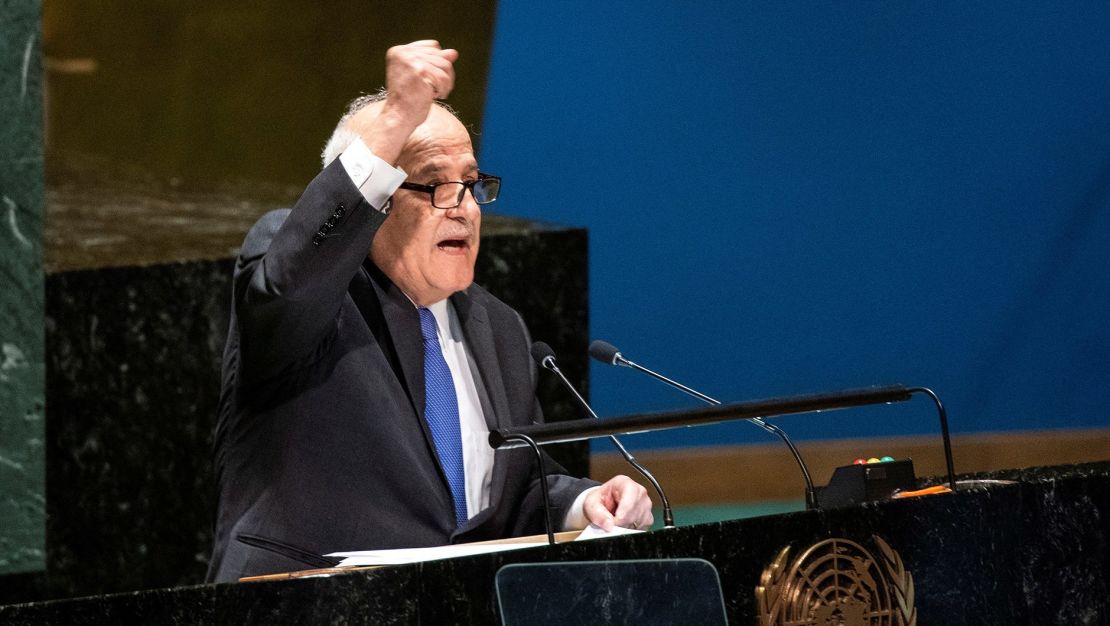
(364, 370)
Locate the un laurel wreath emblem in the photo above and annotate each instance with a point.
(837, 582)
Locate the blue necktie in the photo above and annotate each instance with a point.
(441, 409)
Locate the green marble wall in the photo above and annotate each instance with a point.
(22, 485)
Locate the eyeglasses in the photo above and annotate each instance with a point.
(450, 195)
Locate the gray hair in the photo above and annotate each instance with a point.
(342, 137)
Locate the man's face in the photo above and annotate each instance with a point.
(428, 252)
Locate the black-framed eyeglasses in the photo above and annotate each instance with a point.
(450, 195)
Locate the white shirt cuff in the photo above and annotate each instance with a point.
(376, 179)
(576, 517)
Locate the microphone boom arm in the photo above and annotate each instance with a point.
(811, 493)
(668, 515)
(577, 430)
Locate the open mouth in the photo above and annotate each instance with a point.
(453, 246)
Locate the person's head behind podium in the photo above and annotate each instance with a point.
(428, 252)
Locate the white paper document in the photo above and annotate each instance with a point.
(595, 532)
(416, 555)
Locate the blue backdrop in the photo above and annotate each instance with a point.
(787, 198)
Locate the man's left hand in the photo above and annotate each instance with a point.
(621, 501)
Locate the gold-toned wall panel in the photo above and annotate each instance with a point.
(199, 93)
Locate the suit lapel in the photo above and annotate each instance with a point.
(402, 322)
(479, 340)
(403, 326)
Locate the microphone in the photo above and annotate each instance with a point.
(545, 356)
(609, 354)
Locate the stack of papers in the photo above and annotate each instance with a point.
(417, 555)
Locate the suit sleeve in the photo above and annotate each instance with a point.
(294, 269)
(563, 489)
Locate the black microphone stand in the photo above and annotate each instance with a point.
(618, 359)
(548, 524)
(547, 360)
(811, 493)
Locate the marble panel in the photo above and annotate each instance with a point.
(22, 497)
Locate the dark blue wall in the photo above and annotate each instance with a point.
(802, 197)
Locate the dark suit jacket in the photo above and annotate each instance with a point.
(321, 444)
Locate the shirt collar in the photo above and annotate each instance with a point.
(442, 312)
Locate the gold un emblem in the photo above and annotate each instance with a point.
(837, 582)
